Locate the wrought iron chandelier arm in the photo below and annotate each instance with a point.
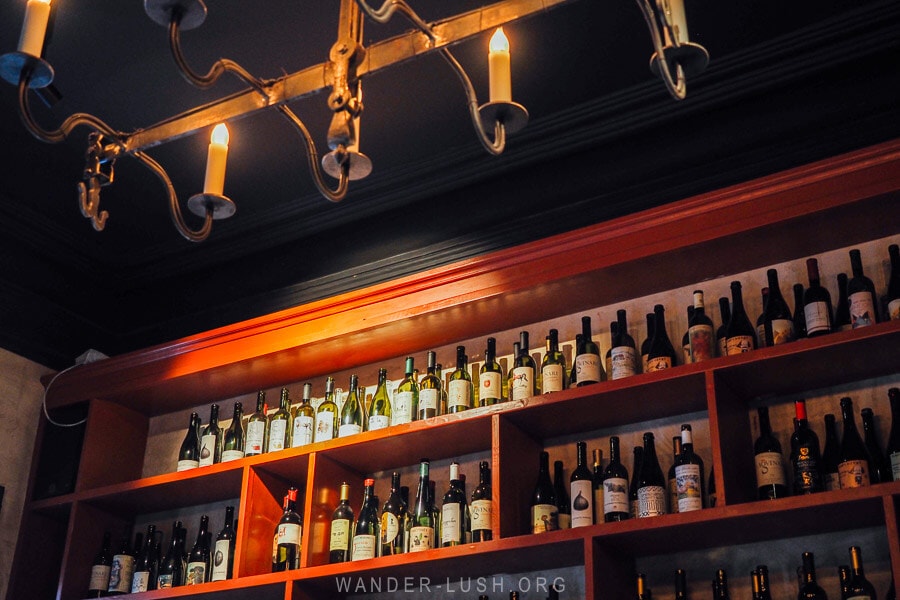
(387, 10)
(312, 158)
(174, 207)
(677, 85)
(499, 142)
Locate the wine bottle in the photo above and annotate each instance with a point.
(893, 289)
(711, 496)
(842, 321)
(279, 434)
(799, 317)
(616, 505)
(613, 332)
(145, 567)
(442, 402)
(573, 373)
(651, 484)
(763, 593)
(189, 453)
(327, 416)
(671, 483)
(223, 552)
(859, 588)
(522, 384)
(452, 511)
(467, 515)
(831, 456)
(563, 503)
(645, 345)
(778, 320)
(459, 388)
(257, 427)
(806, 461)
(761, 320)
(482, 505)
(421, 533)
(720, 585)
(816, 303)
(435, 512)
(367, 532)
(588, 368)
(233, 438)
(881, 469)
(121, 570)
(597, 485)
(686, 338)
(544, 510)
(689, 473)
(643, 590)
(754, 585)
(770, 479)
(429, 390)
(681, 585)
(739, 333)
(624, 354)
(342, 520)
(844, 579)
(581, 490)
(304, 430)
(809, 589)
(351, 421)
(854, 468)
(700, 331)
(661, 354)
(211, 439)
(893, 445)
(725, 313)
(394, 519)
(379, 411)
(490, 377)
(171, 569)
(553, 366)
(637, 459)
(288, 532)
(861, 295)
(198, 559)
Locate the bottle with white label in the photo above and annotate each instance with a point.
(352, 412)
(739, 333)
(100, 569)
(701, 336)
(861, 295)
(588, 365)
(211, 439)
(651, 485)
(146, 565)
(490, 377)
(303, 431)
(854, 467)
(288, 532)
(581, 489)
(892, 451)
(816, 303)
(233, 438)
(453, 507)
(394, 517)
(482, 505)
(223, 552)
(430, 390)
(522, 382)
(459, 388)
(367, 533)
(122, 569)
(778, 322)
(624, 353)
(544, 509)
(327, 414)
(771, 482)
(553, 366)
(257, 427)
(342, 521)
(406, 397)
(422, 529)
(379, 412)
(197, 571)
(189, 453)
(689, 474)
(280, 425)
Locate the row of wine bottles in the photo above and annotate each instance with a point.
(848, 463)
(853, 582)
(143, 566)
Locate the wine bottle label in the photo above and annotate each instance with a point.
(581, 491)
(196, 573)
(672, 489)
(379, 422)
(723, 348)
(230, 455)
(701, 341)
(164, 581)
(862, 309)
(521, 385)
(120, 573)
(363, 547)
(832, 481)
(587, 368)
(894, 309)
(459, 394)
(738, 344)
(686, 353)
(818, 317)
(860, 597)
(687, 481)
(304, 429)
(349, 429)
(390, 527)
(340, 535)
(489, 386)
(782, 331)
(854, 473)
(207, 450)
(140, 581)
(806, 470)
(402, 411)
(895, 465)
(651, 501)
(551, 378)
(324, 426)
(256, 435)
(450, 522)
(289, 533)
(277, 434)
(186, 465)
(623, 362)
(761, 335)
(615, 495)
(544, 517)
(421, 538)
(428, 399)
(658, 363)
(480, 511)
(769, 469)
(220, 560)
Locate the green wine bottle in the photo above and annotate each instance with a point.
(257, 426)
(280, 425)
(380, 406)
(406, 397)
(303, 431)
(327, 417)
(459, 388)
(351, 413)
(233, 440)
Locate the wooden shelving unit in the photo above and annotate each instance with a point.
(785, 217)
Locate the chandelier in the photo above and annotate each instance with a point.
(674, 59)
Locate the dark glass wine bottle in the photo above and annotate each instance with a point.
(700, 331)
(881, 471)
(651, 483)
(573, 373)
(624, 352)
(689, 472)
(842, 321)
(711, 496)
(257, 427)
(459, 388)
(351, 421)
(809, 588)
(762, 572)
(817, 309)
(430, 390)
(288, 533)
(645, 345)
(563, 503)
(171, 569)
(761, 320)
(453, 507)
(121, 570)
(223, 551)
(636, 461)
(686, 338)
(379, 411)
(681, 585)
(854, 467)
(422, 531)
(739, 333)
(198, 559)
(211, 439)
(725, 313)
(490, 378)
(588, 367)
(613, 333)
(806, 461)
(597, 485)
(858, 587)
(831, 456)
(189, 453)
(233, 438)
(342, 521)
(643, 590)
(861, 295)
(892, 454)
(522, 383)
(720, 585)
(406, 396)
(893, 289)
(145, 567)
(553, 366)
(661, 354)
(770, 478)
(671, 484)
(367, 533)
(394, 519)
(778, 320)
(581, 490)
(799, 316)
(616, 505)
(754, 585)
(304, 429)
(544, 509)
(482, 505)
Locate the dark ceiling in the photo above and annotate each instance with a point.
(787, 83)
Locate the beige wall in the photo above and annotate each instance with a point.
(20, 409)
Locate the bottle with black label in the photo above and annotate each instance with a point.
(459, 388)
(661, 354)
(854, 468)
(842, 321)
(563, 503)
(421, 533)
(482, 505)
(689, 473)
(770, 479)
(861, 295)
(146, 566)
(881, 471)
(122, 569)
(616, 506)
(581, 490)
(778, 321)
(588, 367)
(211, 439)
(288, 533)
(651, 484)
(257, 427)
(544, 509)
(394, 520)
(817, 309)
(522, 382)
(189, 453)
(553, 366)
(624, 352)
(303, 431)
(233, 438)
(806, 461)
(223, 551)
(198, 560)
(342, 525)
(740, 336)
(490, 377)
(893, 445)
(831, 456)
(430, 390)
(367, 533)
(700, 331)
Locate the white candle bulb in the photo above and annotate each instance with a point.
(498, 68)
(34, 28)
(214, 183)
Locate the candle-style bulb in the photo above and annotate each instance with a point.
(219, 134)
(214, 182)
(499, 41)
(499, 77)
(34, 28)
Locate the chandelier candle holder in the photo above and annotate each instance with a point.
(674, 59)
